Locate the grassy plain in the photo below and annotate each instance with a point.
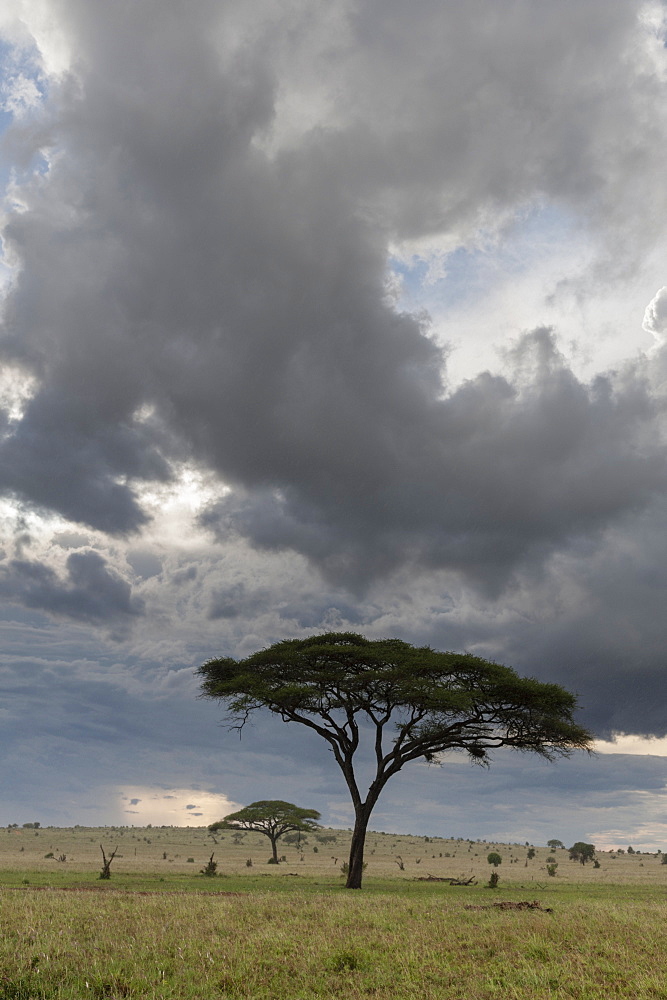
(159, 929)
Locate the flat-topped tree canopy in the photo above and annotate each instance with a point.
(273, 818)
(411, 702)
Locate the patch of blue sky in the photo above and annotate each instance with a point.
(23, 86)
(448, 281)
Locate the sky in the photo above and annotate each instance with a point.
(322, 317)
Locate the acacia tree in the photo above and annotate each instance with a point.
(407, 702)
(272, 818)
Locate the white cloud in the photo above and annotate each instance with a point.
(140, 805)
(655, 317)
(629, 744)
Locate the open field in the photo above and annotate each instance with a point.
(162, 851)
(159, 929)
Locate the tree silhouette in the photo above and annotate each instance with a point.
(272, 818)
(406, 703)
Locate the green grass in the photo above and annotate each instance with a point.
(421, 944)
(158, 929)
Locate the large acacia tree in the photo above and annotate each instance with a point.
(407, 702)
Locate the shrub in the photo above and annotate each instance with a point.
(344, 868)
(211, 868)
(190, 861)
(551, 869)
(106, 863)
(493, 881)
(494, 859)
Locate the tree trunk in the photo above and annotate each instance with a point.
(274, 848)
(356, 863)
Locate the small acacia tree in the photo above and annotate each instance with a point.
(494, 859)
(272, 818)
(409, 703)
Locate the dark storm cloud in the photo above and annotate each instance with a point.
(91, 592)
(496, 472)
(200, 279)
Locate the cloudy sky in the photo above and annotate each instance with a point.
(343, 315)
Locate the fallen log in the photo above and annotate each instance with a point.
(507, 904)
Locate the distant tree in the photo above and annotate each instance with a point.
(663, 859)
(272, 818)
(325, 838)
(555, 844)
(531, 853)
(412, 703)
(295, 839)
(582, 852)
(631, 850)
(494, 859)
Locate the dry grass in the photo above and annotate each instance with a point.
(142, 850)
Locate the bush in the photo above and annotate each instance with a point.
(494, 859)
(551, 869)
(493, 881)
(344, 868)
(211, 868)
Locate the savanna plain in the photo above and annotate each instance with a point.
(160, 928)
